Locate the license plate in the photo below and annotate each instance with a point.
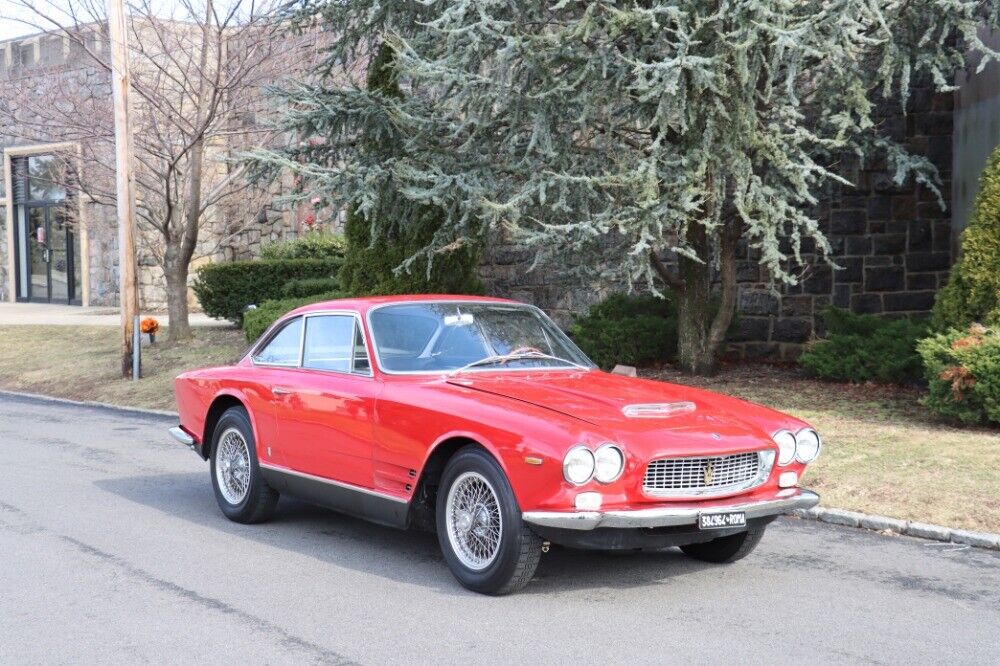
(722, 521)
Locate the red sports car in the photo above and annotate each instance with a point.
(478, 418)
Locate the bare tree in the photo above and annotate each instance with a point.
(199, 75)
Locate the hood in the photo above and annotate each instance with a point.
(597, 398)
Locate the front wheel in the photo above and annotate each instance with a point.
(487, 546)
(726, 549)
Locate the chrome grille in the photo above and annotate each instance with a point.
(704, 475)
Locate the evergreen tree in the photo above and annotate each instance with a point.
(623, 134)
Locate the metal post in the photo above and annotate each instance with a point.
(136, 349)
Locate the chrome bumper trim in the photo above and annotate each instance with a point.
(178, 433)
(668, 516)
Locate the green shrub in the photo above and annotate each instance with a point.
(256, 321)
(861, 348)
(226, 289)
(309, 287)
(633, 330)
(370, 267)
(963, 374)
(312, 245)
(973, 290)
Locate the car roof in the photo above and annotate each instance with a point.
(365, 303)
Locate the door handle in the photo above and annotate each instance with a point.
(46, 255)
(278, 390)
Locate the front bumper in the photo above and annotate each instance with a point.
(182, 436)
(673, 515)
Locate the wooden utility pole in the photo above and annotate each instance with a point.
(128, 285)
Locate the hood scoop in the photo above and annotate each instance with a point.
(658, 410)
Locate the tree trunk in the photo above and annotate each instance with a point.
(702, 321)
(175, 272)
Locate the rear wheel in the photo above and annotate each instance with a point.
(726, 549)
(241, 491)
(487, 546)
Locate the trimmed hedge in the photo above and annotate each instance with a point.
(862, 348)
(312, 245)
(963, 374)
(309, 287)
(226, 289)
(256, 321)
(633, 330)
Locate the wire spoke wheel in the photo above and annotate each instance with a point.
(473, 520)
(232, 466)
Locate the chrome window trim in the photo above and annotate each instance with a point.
(304, 316)
(434, 373)
(763, 474)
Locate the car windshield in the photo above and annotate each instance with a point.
(453, 336)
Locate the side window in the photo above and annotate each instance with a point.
(284, 348)
(329, 343)
(361, 362)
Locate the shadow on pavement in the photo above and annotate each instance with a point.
(411, 557)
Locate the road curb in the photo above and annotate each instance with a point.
(89, 403)
(911, 528)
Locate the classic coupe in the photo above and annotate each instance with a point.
(479, 419)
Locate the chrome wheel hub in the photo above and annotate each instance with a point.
(232, 466)
(473, 520)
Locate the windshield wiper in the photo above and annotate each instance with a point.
(504, 358)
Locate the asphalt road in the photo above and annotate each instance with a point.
(112, 550)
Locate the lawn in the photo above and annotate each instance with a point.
(882, 452)
(83, 363)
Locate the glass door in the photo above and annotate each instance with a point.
(54, 253)
(38, 231)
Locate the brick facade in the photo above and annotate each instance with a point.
(892, 245)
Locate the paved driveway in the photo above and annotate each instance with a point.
(112, 549)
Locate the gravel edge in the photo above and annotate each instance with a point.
(911, 528)
(864, 521)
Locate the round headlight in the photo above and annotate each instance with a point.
(608, 463)
(786, 446)
(578, 465)
(807, 445)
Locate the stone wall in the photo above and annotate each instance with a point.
(892, 246)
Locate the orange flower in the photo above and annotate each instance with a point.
(149, 325)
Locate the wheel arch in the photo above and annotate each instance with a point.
(428, 480)
(220, 404)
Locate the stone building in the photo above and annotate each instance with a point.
(893, 245)
(58, 241)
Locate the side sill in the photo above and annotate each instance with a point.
(341, 497)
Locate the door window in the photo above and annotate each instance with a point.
(330, 343)
(284, 348)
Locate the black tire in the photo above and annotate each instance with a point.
(257, 505)
(726, 549)
(519, 548)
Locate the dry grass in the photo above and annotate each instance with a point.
(82, 363)
(883, 452)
